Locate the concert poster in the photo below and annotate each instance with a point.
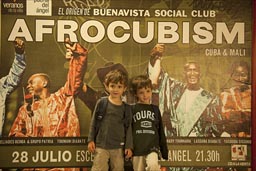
(210, 129)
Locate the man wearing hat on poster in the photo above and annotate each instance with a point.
(90, 96)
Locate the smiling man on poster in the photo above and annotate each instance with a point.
(52, 115)
(188, 109)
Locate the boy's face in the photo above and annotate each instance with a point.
(144, 95)
(115, 90)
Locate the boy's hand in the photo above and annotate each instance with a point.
(91, 146)
(128, 153)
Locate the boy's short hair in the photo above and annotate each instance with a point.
(116, 76)
(140, 81)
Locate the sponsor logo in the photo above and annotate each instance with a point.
(239, 152)
(13, 7)
(39, 7)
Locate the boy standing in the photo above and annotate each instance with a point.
(148, 134)
(110, 131)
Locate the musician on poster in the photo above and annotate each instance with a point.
(9, 82)
(52, 115)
